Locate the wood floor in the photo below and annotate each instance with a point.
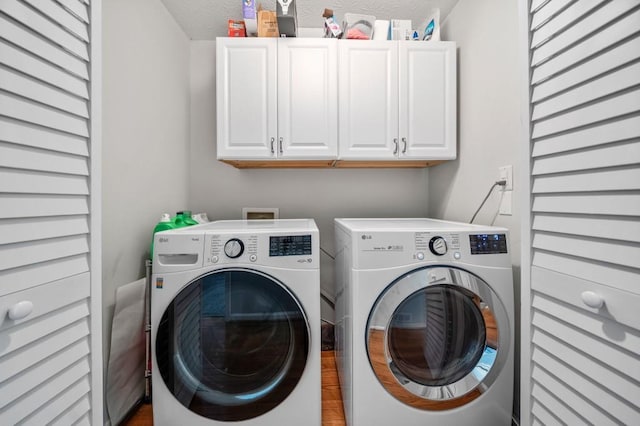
(332, 412)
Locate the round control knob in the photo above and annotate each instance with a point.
(438, 246)
(234, 248)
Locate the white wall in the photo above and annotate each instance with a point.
(221, 191)
(488, 121)
(146, 135)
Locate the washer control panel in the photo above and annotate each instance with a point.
(261, 249)
(290, 245)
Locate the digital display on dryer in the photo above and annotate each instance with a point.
(488, 243)
(290, 245)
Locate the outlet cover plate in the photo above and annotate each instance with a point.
(506, 173)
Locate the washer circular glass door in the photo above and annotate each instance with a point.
(232, 344)
(437, 338)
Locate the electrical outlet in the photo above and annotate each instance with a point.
(506, 173)
(506, 203)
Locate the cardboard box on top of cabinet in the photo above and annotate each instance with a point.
(287, 18)
(267, 23)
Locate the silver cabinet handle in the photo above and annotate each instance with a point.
(273, 140)
(395, 148)
(404, 145)
(280, 145)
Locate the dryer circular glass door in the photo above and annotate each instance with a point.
(232, 345)
(437, 338)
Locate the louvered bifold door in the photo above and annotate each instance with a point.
(46, 141)
(581, 325)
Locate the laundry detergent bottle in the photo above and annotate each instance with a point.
(188, 218)
(164, 224)
(179, 220)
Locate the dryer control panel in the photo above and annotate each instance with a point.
(488, 243)
(386, 243)
(384, 249)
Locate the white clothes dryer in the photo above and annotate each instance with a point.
(424, 322)
(235, 317)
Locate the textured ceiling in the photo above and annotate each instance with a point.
(207, 19)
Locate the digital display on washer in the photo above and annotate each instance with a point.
(290, 245)
(488, 243)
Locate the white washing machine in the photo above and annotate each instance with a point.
(235, 317)
(424, 322)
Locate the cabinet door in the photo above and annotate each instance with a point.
(368, 112)
(246, 99)
(427, 108)
(307, 98)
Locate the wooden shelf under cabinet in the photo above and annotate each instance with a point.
(328, 164)
(391, 164)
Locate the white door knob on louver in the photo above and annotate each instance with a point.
(592, 300)
(20, 310)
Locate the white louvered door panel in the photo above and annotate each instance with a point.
(580, 362)
(50, 359)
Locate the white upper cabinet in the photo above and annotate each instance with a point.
(246, 97)
(365, 103)
(397, 100)
(368, 119)
(277, 98)
(307, 98)
(427, 114)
